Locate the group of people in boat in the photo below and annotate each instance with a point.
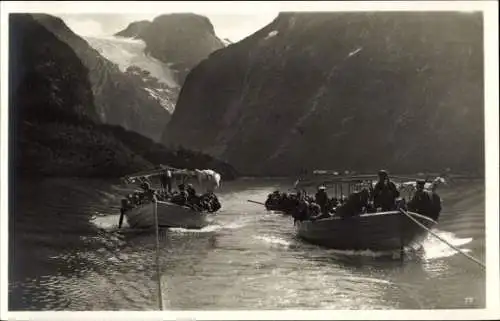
(186, 195)
(384, 196)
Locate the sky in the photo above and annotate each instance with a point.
(234, 27)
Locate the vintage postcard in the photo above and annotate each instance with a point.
(249, 160)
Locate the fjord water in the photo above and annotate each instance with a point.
(66, 253)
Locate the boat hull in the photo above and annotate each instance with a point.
(169, 215)
(385, 231)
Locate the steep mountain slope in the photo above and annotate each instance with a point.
(55, 126)
(179, 39)
(120, 98)
(362, 91)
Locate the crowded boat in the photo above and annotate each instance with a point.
(185, 195)
(180, 207)
(368, 197)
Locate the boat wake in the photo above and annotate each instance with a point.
(435, 249)
(277, 241)
(210, 228)
(206, 229)
(274, 240)
(431, 249)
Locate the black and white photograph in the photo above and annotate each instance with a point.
(178, 158)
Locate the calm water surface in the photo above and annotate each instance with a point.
(66, 253)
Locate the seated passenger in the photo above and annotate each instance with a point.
(192, 198)
(148, 193)
(209, 202)
(273, 200)
(181, 197)
(356, 204)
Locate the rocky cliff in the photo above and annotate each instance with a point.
(402, 91)
(120, 98)
(55, 123)
(179, 39)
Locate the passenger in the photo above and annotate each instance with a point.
(273, 200)
(370, 207)
(385, 192)
(421, 202)
(289, 203)
(333, 203)
(137, 198)
(436, 204)
(131, 200)
(315, 212)
(166, 181)
(214, 203)
(301, 212)
(356, 204)
(148, 192)
(401, 204)
(321, 198)
(181, 197)
(192, 198)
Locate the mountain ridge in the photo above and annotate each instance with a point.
(341, 90)
(180, 39)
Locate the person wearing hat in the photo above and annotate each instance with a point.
(148, 193)
(321, 198)
(421, 202)
(385, 192)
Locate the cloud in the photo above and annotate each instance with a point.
(232, 26)
(85, 27)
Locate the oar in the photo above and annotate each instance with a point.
(475, 260)
(256, 202)
(122, 212)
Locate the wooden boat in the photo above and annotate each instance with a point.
(169, 215)
(141, 214)
(383, 231)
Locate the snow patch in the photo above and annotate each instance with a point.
(127, 52)
(159, 95)
(271, 34)
(352, 53)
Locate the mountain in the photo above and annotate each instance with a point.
(362, 91)
(55, 123)
(180, 39)
(120, 98)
